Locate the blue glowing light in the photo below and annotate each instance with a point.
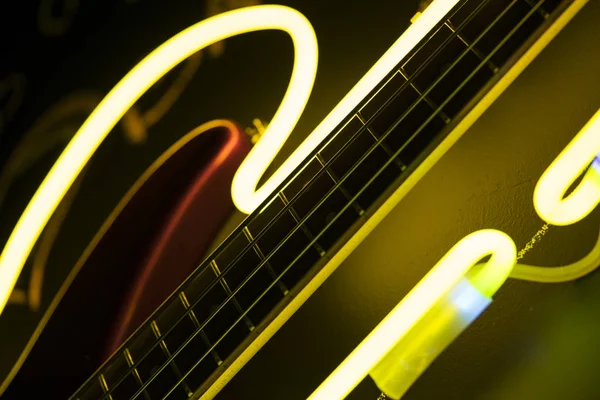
(596, 163)
(468, 301)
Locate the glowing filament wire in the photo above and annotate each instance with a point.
(134, 85)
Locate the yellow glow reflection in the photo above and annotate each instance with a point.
(130, 89)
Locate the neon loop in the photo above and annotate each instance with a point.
(414, 324)
(243, 190)
(137, 82)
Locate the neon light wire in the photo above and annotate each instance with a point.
(131, 88)
(552, 207)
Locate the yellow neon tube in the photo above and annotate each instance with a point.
(243, 191)
(556, 180)
(132, 87)
(457, 263)
(560, 274)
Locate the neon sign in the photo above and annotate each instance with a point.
(450, 296)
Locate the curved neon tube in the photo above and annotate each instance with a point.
(561, 274)
(554, 209)
(457, 263)
(132, 87)
(51, 25)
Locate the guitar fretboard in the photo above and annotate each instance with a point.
(235, 293)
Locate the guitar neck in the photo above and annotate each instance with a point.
(237, 292)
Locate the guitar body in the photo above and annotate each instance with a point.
(153, 239)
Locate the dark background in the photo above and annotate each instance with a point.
(535, 340)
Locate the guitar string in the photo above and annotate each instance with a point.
(381, 140)
(356, 196)
(292, 201)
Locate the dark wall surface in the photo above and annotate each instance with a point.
(535, 340)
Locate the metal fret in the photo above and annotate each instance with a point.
(192, 314)
(135, 372)
(426, 98)
(104, 386)
(227, 289)
(284, 290)
(493, 67)
(303, 228)
(383, 146)
(359, 210)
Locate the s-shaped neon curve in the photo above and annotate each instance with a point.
(116, 103)
(244, 190)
